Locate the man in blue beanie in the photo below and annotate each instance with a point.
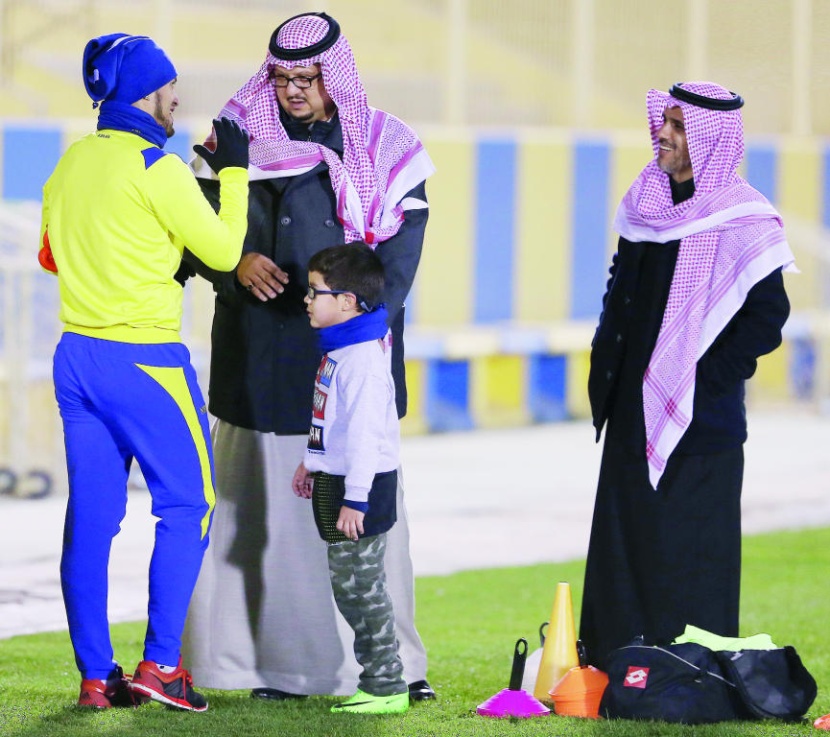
(127, 70)
(117, 213)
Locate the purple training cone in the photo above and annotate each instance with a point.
(513, 701)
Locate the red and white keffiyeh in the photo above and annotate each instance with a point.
(383, 158)
(731, 237)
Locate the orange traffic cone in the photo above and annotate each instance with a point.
(559, 652)
(579, 692)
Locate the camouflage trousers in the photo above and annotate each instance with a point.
(358, 580)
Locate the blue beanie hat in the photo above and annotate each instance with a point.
(124, 68)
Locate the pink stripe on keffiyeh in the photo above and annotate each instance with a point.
(656, 462)
(404, 161)
(670, 400)
(375, 134)
(741, 263)
(672, 411)
(235, 109)
(301, 161)
(374, 209)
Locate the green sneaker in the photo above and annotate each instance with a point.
(365, 703)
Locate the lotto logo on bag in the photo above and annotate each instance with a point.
(636, 677)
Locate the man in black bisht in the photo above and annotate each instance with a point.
(695, 296)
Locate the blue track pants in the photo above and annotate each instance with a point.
(119, 402)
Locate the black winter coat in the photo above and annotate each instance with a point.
(265, 354)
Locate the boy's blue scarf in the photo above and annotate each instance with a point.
(120, 116)
(366, 326)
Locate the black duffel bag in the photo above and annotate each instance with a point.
(691, 684)
(773, 684)
(678, 683)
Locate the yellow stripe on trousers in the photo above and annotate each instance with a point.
(172, 380)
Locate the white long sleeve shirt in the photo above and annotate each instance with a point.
(355, 431)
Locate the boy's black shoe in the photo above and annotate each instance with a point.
(274, 694)
(420, 691)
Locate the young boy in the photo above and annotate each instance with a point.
(350, 466)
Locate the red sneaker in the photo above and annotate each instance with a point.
(173, 689)
(822, 722)
(100, 694)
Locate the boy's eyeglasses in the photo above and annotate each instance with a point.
(312, 292)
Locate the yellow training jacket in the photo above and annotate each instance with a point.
(118, 212)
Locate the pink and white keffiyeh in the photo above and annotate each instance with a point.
(731, 237)
(383, 158)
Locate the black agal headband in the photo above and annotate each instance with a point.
(710, 103)
(306, 52)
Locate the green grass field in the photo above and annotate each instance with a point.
(470, 623)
